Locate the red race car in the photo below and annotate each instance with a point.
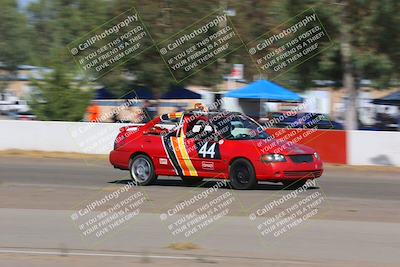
(223, 145)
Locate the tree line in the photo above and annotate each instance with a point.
(364, 40)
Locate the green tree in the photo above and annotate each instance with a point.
(56, 23)
(365, 45)
(60, 96)
(14, 44)
(163, 19)
(365, 39)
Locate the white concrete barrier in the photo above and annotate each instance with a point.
(373, 148)
(79, 137)
(363, 147)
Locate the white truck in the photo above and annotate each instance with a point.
(12, 104)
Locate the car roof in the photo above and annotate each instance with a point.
(196, 113)
(212, 112)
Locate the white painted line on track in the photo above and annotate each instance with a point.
(97, 254)
(165, 257)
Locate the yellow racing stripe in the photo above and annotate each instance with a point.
(186, 157)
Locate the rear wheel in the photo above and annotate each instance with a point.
(142, 171)
(242, 174)
(294, 184)
(191, 181)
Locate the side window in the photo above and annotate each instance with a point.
(199, 129)
(172, 132)
(224, 127)
(170, 125)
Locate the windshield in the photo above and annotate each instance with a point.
(239, 127)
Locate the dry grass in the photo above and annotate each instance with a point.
(48, 154)
(366, 168)
(183, 246)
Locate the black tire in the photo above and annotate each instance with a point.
(191, 181)
(141, 169)
(242, 174)
(294, 184)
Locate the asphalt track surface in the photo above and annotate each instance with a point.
(357, 224)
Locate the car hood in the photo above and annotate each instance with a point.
(278, 146)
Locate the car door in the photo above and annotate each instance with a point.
(203, 146)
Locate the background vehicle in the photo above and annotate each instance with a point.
(303, 120)
(10, 104)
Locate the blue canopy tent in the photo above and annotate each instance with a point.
(265, 90)
(139, 92)
(135, 91)
(392, 99)
(179, 92)
(262, 90)
(103, 93)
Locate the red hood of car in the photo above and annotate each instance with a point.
(277, 146)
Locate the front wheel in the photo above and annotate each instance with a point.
(242, 174)
(142, 170)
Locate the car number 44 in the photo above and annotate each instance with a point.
(210, 151)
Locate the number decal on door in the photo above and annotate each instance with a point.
(209, 151)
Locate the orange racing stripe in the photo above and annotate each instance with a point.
(179, 156)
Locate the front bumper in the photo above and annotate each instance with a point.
(289, 171)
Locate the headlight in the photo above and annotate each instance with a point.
(316, 155)
(273, 158)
